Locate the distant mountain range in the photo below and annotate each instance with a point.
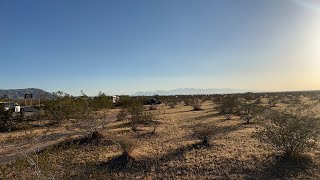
(19, 93)
(190, 91)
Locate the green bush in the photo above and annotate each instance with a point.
(6, 119)
(68, 107)
(100, 102)
(135, 113)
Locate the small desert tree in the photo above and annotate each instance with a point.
(292, 131)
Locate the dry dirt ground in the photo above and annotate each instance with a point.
(170, 153)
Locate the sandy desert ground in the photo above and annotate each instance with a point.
(169, 153)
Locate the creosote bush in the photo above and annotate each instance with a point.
(135, 113)
(196, 104)
(66, 107)
(229, 105)
(204, 134)
(127, 146)
(9, 119)
(250, 112)
(292, 132)
(100, 102)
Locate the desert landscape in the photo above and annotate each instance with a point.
(159, 89)
(184, 137)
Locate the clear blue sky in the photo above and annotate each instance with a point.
(123, 46)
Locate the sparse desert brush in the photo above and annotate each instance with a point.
(187, 101)
(248, 112)
(196, 104)
(100, 102)
(66, 107)
(126, 146)
(173, 104)
(44, 165)
(229, 105)
(136, 114)
(204, 134)
(292, 131)
(122, 115)
(153, 107)
(6, 119)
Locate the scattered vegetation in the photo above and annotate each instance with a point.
(204, 134)
(229, 105)
(292, 131)
(196, 104)
(171, 153)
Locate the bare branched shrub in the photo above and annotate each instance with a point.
(249, 112)
(229, 105)
(204, 134)
(173, 104)
(292, 131)
(187, 101)
(196, 104)
(127, 146)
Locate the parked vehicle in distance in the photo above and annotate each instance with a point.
(10, 105)
(115, 99)
(152, 101)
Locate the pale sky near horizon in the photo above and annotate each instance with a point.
(124, 46)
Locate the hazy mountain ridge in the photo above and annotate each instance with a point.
(19, 93)
(190, 91)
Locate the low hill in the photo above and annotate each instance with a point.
(19, 93)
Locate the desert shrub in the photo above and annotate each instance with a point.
(173, 104)
(9, 119)
(6, 119)
(68, 107)
(292, 131)
(100, 102)
(204, 134)
(135, 113)
(187, 101)
(229, 105)
(196, 104)
(122, 115)
(273, 101)
(258, 101)
(119, 162)
(249, 112)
